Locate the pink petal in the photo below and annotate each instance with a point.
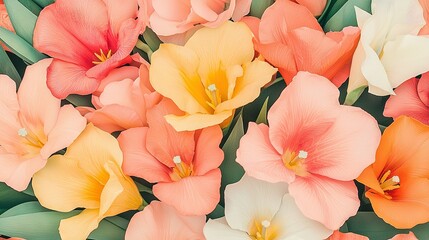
(32, 92)
(208, 9)
(172, 9)
(161, 221)
(423, 88)
(242, 8)
(137, 160)
(67, 128)
(163, 142)
(408, 236)
(8, 93)
(208, 154)
(407, 102)
(223, 17)
(72, 30)
(118, 74)
(194, 195)
(316, 7)
(280, 56)
(328, 201)
(114, 118)
(337, 235)
(67, 78)
(305, 109)
(9, 122)
(259, 158)
(119, 11)
(253, 24)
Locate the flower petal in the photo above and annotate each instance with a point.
(208, 154)
(197, 121)
(85, 223)
(242, 8)
(219, 229)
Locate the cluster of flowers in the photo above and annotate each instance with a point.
(170, 114)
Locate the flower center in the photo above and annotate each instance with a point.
(214, 96)
(31, 142)
(389, 184)
(296, 162)
(102, 57)
(181, 170)
(262, 231)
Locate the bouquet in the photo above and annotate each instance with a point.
(214, 119)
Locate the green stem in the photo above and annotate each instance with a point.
(144, 47)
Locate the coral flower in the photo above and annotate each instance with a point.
(161, 221)
(211, 76)
(389, 51)
(88, 176)
(316, 7)
(291, 39)
(33, 126)
(4, 22)
(260, 210)
(398, 181)
(409, 236)
(123, 104)
(314, 144)
(87, 39)
(172, 20)
(411, 99)
(337, 235)
(185, 163)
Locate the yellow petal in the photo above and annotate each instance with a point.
(62, 186)
(120, 194)
(247, 87)
(197, 121)
(80, 226)
(173, 73)
(92, 149)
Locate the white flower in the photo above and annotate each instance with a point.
(389, 51)
(258, 210)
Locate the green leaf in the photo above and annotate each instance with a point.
(43, 3)
(346, 15)
(258, 7)
(231, 170)
(354, 95)
(23, 20)
(79, 100)
(151, 39)
(110, 229)
(7, 67)
(218, 212)
(262, 117)
(20, 47)
(325, 11)
(10, 198)
(368, 224)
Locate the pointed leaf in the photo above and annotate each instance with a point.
(43, 3)
(10, 198)
(346, 16)
(354, 95)
(151, 39)
(262, 117)
(258, 7)
(23, 20)
(7, 67)
(79, 100)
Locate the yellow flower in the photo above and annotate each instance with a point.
(209, 77)
(88, 176)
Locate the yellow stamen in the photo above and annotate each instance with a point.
(389, 184)
(295, 162)
(214, 96)
(182, 170)
(102, 57)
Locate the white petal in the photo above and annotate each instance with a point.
(292, 224)
(356, 78)
(361, 16)
(219, 229)
(406, 57)
(373, 71)
(251, 199)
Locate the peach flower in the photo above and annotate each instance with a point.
(337, 235)
(316, 7)
(183, 165)
(88, 176)
(409, 236)
(33, 126)
(4, 22)
(290, 38)
(161, 221)
(397, 182)
(316, 145)
(209, 77)
(411, 99)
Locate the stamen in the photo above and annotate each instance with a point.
(102, 57)
(265, 224)
(390, 184)
(212, 87)
(22, 132)
(302, 154)
(214, 96)
(177, 160)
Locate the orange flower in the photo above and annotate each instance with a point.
(398, 181)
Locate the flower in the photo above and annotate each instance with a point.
(397, 182)
(256, 209)
(291, 39)
(33, 126)
(316, 7)
(409, 236)
(4, 22)
(389, 51)
(209, 77)
(87, 39)
(425, 6)
(183, 165)
(314, 144)
(411, 99)
(123, 104)
(171, 20)
(337, 235)
(88, 176)
(161, 221)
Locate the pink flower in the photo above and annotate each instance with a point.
(33, 126)
(4, 22)
(290, 38)
(87, 39)
(161, 221)
(408, 236)
(316, 7)
(122, 104)
(411, 99)
(314, 144)
(337, 235)
(184, 165)
(175, 21)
